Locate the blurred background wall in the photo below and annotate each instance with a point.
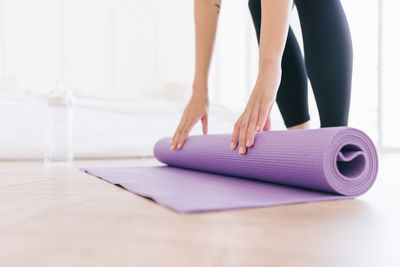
(124, 50)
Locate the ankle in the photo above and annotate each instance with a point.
(304, 125)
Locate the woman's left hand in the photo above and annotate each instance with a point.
(254, 117)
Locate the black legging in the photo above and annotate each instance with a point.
(328, 62)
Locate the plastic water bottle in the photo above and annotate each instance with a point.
(59, 130)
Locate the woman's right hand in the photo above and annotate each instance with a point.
(196, 109)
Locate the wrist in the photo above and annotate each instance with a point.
(200, 88)
(200, 80)
(268, 66)
(200, 95)
(269, 71)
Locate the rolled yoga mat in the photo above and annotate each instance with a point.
(283, 167)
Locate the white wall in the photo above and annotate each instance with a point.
(390, 74)
(125, 49)
(103, 48)
(363, 22)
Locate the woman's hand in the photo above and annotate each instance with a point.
(256, 115)
(196, 109)
(205, 18)
(274, 28)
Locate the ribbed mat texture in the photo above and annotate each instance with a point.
(283, 167)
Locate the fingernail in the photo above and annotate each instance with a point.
(242, 150)
(258, 128)
(233, 146)
(179, 146)
(171, 148)
(248, 143)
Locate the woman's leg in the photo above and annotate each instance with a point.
(305, 125)
(292, 93)
(328, 56)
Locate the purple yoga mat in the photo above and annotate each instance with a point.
(283, 167)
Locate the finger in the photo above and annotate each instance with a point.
(183, 133)
(174, 140)
(173, 137)
(204, 122)
(262, 115)
(251, 129)
(182, 138)
(185, 130)
(235, 135)
(243, 134)
(267, 125)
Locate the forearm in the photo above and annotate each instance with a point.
(274, 28)
(206, 18)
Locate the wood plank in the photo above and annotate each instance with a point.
(68, 218)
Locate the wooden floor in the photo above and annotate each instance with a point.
(60, 216)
